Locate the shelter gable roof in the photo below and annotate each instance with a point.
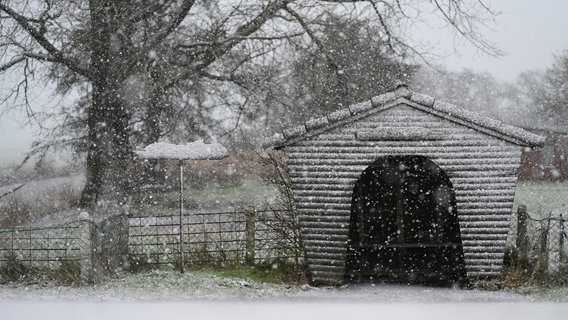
(402, 95)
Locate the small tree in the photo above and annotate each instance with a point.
(283, 218)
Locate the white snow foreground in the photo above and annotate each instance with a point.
(197, 150)
(285, 310)
(197, 295)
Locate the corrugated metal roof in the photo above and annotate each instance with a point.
(402, 95)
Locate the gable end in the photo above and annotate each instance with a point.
(416, 100)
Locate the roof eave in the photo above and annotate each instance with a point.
(403, 95)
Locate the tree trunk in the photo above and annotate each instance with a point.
(109, 152)
(152, 173)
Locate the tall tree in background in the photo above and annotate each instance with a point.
(546, 93)
(350, 61)
(135, 71)
(477, 91)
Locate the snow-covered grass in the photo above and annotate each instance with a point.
(37, 198)
(537, 195)
(249, 192)
(48, 201)
(254, 190)
(207, 285)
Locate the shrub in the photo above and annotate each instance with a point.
(12, 269)
(69, 272)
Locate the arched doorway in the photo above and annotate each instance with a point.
(404, 224)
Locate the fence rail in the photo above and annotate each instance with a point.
(212, 237)
(48, 247)
(122, 241)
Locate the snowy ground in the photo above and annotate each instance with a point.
(275, 310)
(168, 295)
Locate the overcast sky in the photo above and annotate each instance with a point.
(529, 31)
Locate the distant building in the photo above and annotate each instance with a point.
(549, 162)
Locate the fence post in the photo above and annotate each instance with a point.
(522, 241)
(562, 235)
(124, 236)
(250, 235)
(554, 236)
(543, 246)
(86, 248)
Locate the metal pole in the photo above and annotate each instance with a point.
(181, 216)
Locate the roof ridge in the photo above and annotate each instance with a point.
(478, 119)
(402, 92)
(317, 123)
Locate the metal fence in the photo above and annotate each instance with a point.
(208, 238)
(542, 239)
(129, 242)
(49, 248)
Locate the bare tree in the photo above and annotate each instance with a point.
(478, 91)
(546, 93)
(350, 62)
(140, 70)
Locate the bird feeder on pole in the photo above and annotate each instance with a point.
(197, 150)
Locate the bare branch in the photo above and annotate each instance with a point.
(175, 22)
(12, 190)
(11, 63)
(40, 38)
(343, 1)
(242, 33)
(386, 28)
(231, 39)
(306, 28)
(463, 24)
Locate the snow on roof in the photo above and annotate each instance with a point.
(192, 151)
(403, 95)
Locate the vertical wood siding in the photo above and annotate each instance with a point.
(324, 169)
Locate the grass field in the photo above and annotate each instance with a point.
(545, 196)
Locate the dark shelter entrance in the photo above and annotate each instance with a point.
(404, 224)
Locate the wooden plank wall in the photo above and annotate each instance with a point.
(325, 167)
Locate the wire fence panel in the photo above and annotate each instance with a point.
(208, 238)
(42, 248)
(546, 240)
(554, 242)
(153, 240)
